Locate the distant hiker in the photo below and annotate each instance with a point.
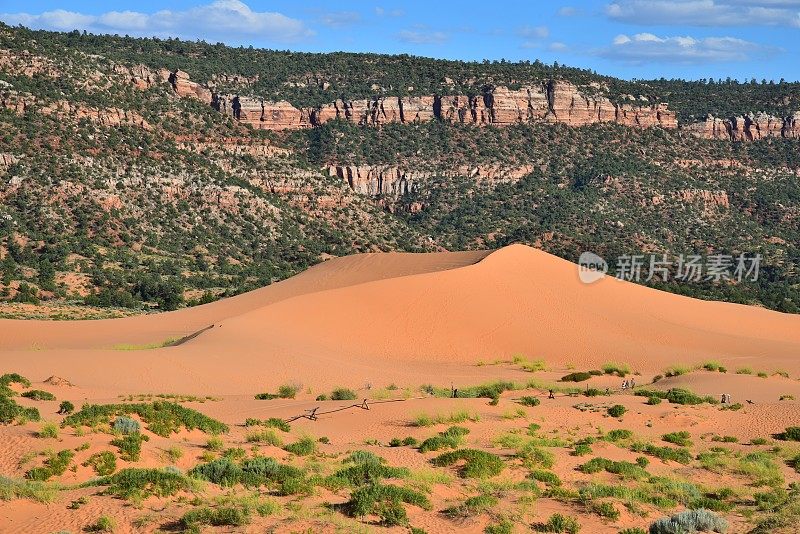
(724, 399)
(455, 393)
(624, 385)
(551, 396)
(608, 391)
(633, 383)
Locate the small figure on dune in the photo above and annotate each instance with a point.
(624, 385)
(551, 396)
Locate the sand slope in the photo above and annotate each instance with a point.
(335, 273)
(412, 318)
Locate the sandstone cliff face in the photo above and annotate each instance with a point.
(183, 86)
(747, 127)
(393, 182)
(555, 101)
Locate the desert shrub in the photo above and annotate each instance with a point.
(791, 433)
(173, 454)
(254, 472)
(677, 396)
(710, 503)
(55, 465)
(66, 408)
(48, 430)
(368, 468)
(460, 416)
(14, 378)
(449, 439)
(472, 506)
(529, 401)
(678, 454)
(714, 366)
(126, 425)
(223, 516)
(677, 370)
(272, 422)
(744, 371)
(266, 436)
(582, 449)
(503, 527)
(548, 477)
(477, 463)
(682, 438)
(39, 395)
(215, 443)
(634, 530)
(759, 441)
(558, 523)
(103, 524)
(104, 463)
(605, 509)
(689, 521)
(762, 374)
(130, 446)
(725, 439)
(322, 397)
(340, 394)
(619, 369)
(385, 501)
(138, 483)
(580, 376)
(37, 491)
(534, 456)
(304, 446)
(618, 434)
(617, 410)
(653, 401)
(10, 411)
(593, 392)
(162, 417)
(622, 468)
(288, 391)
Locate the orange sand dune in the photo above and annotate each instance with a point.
(335, 273)
(363, 322)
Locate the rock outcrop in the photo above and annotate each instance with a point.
(392, 181)
(183, 86)
(554, 101)
(749, 127)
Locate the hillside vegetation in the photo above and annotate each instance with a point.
(121, 198)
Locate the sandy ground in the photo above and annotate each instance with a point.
(370, 321)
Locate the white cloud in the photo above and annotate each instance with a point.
(340, 19)
(558, 47)
(707, 12)
(649, 48)
(568, 11)
(534, 32)
(422, 36)
(381, 12)
(221, 19)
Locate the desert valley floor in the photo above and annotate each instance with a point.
(391, 335)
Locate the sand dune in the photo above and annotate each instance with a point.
(335, 273)
(418, 318)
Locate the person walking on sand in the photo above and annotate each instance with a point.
(551, 396)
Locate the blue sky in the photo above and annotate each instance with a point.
(627, 38)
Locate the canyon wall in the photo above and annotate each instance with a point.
(555, 101)
(749, 127)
